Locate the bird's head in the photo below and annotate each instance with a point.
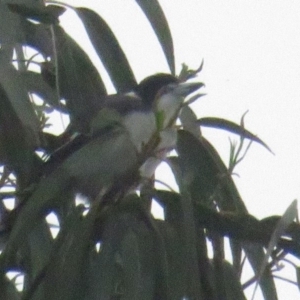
(149, 87)
(164, 93)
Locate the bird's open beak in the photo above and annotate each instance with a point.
(185, 88)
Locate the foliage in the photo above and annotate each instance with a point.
(110, 246)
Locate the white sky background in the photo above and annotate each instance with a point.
(251, 52)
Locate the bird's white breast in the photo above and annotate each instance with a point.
(141, 126)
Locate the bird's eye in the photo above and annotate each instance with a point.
(166, 89)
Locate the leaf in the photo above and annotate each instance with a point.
(177, 260)
(37, 85)
(37, 36)
(18, 140)
(298, 277)
(127, 261)
(158, 21)
(287, 219)
(232, 284)
(8, 20)
(187, 231)
(188, 120)
(17, 95)
(201, 173)
(78, 80)
(40, 241)
(255, 255)
(220, 123)
(65, 275)
(8, 290)
(171, 204)
(47, 14)
(46, 196)
(108, 50)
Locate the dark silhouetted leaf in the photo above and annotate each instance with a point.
(37, 36)
(231, 127)
(255, 255)
(197, 163)
(8, 21)
(40, 242)
(17, 94)
(232, 284)
(188, 121)
(8, 290)
(36, 84)
(158, 21)
(47, 15)
(18, 135)
(78, 80)
(32, 213)
(187, 231)
(65, 277)
(288, 217)
(108, 50)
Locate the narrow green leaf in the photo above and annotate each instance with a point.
(255, 255)
(45, 197)
(298, 277)
(131, 263)
(198, 164)
(17, 95)
(8, 290)
(65, 276)
(184, 176)
(287, 218)
(17, 139)
(78, 80)
(159, 23)
(108, 50)
(171, 204)
(189, 121)
(8, 20)
(47, 14)
(177, 260)
(36, 84)
(220, 123)
(40, 242)
(127, 262)
(232, 283)
(36, 36)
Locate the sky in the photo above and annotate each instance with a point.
(251, 63)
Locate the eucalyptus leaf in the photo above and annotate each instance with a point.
(108, 50)
(17, 94)
(65, 276)
(159, 23)
(78, 80)
(189, 121)
(36, 84)
(232, 284)
(47, 14)
(188, 229)
(288, 217)
(231, 127)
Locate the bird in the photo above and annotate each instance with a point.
(111, 157)
(149, 108)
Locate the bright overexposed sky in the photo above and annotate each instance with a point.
(251, 52)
